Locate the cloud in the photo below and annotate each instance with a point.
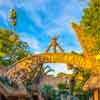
(51, 9)
(38, 19)
(5, 6)
(1, 1)
(58, 26)
(32, 42)
(3, 16)
(37, 52)
(59, 67)
(6, 3)
(45, 18)
(54, 17)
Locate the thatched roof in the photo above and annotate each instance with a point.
(3, 70)
(93, 82)
(10, 91)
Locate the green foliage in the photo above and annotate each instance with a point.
(77, 85)
(47, 69)
(62, 86)
(48, 91)
(91, 21)
(11, 47)
(73, 52)
(28, 85)
(8, 83)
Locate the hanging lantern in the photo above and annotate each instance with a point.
(12, 14)
(13, 22)
(13, 17)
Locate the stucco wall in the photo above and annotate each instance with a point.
(53, 81)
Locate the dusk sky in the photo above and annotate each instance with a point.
(40, 20)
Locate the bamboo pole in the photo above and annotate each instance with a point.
(96, 94)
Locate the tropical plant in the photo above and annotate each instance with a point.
(62, 90)
(11, 47)
(78, 80)
(62, 87)
(61, 74)
(44, 70)
(47, 69)
(48, 92)
(91, 21)
(36, 76)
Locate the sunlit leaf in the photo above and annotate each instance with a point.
(2, 54)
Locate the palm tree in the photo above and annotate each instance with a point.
(36, 76)
(62, 90)
(48, 92)
(44, 70)
(77, 81)
(47, 69)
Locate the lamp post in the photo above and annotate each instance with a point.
(13, 17)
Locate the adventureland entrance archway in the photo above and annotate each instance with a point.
(71, 59)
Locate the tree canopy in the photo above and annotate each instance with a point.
(79, 77)
(11, 47)
(90, 21)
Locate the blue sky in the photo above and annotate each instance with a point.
(40, 20)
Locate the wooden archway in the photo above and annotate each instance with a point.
(72, 59)
(87, 60)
